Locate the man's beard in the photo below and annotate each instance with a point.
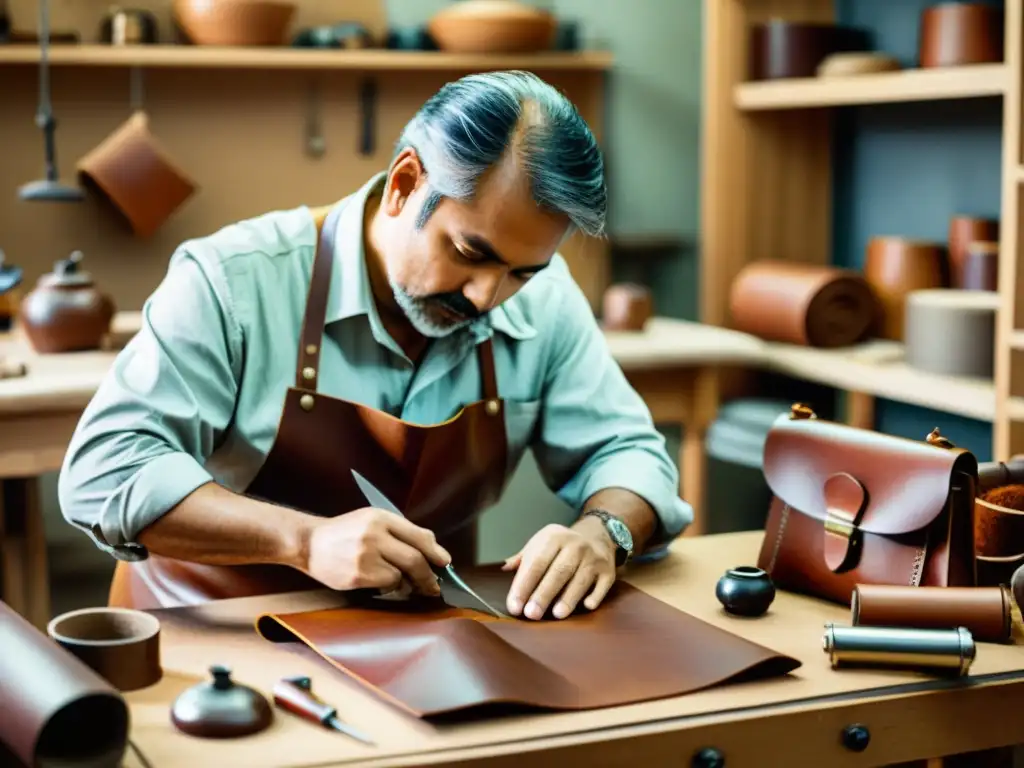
(437, 315)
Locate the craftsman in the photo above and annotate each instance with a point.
(423, 332)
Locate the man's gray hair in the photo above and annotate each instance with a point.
(469, 125)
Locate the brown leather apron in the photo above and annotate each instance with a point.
(442, 476)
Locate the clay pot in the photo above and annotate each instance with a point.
(65, 312)
(963, 230)
(955, 34)
(783, 49)
(626, 307)
(234, 22)
(493, 26)
(894, 267)
(135, 174)
(745, 591)
(981, 267)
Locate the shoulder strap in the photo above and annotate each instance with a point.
(488, 378)
(307, 367)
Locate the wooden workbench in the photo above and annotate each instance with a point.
(793, 721)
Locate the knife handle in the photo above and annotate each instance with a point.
(295, 695)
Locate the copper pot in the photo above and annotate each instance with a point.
(894, 267)
(955, 34)
(626, 307)
(964, 230)
(133, 171)
(493, 26)
(66, 312)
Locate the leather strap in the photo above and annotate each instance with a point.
(307, 368)
(488, 378)
(845, 499)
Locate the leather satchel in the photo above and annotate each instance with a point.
(853, 506)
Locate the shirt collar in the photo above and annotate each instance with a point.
(351, 295)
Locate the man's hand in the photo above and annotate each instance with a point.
(561, 565)
(373, 548)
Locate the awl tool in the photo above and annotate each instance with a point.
(295, 695)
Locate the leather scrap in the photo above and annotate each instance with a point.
(437, 657)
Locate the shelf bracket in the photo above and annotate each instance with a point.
(367, 117)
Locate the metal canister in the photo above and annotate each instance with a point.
(948, 650)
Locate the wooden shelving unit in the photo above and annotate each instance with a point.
(909, 85)
(196, 57)
(767, 193)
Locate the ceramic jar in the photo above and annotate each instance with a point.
(66, 312)
(745, 591)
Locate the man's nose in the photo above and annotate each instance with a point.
(488, 290)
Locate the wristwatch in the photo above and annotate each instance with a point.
(619, 533)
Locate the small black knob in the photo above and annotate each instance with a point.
(709, 757)
(856, 737)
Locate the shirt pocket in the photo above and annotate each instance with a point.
(521, 417)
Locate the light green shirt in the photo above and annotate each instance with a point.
(197, 394)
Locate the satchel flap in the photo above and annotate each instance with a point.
(906, 482)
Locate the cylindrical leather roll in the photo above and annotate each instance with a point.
(119, 644)
(895, 266)
(999, 522)
(950, 332)
(980, 270)
(783, 49)
(955, 34)
(984, 611)
(54, 710)
(964, 230)
(804, 304)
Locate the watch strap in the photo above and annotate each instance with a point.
(622, 554)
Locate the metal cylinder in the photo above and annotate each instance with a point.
(950, 650)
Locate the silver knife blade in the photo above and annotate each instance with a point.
(379, 500)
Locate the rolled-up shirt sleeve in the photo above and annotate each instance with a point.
(596, 432)
(141, 444)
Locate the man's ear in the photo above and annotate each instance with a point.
(404, 178)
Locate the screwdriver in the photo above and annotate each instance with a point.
(295, 695)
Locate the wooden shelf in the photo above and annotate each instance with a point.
(878, 368)
(187, 56)
(908, 85)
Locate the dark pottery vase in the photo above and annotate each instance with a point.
(745, 591)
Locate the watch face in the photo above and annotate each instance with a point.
(620, 534)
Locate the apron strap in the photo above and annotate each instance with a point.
(488, 378)
(308, 366)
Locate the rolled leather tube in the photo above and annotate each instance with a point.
(55, 709)
(985, 611)
(805, 304)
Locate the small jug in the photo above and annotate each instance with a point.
(65, 312)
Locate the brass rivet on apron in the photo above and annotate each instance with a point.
(492, 407)
(306, 402)
(308, 373)
(311, 349)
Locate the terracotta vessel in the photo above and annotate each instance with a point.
(783, 49)
(626, 307)
(999, 533)
(981, 267)
(234, 22)
(136, 175)
(66, 312)
(963, 230)
(493, 26)
(894, 267)
(955, 34)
